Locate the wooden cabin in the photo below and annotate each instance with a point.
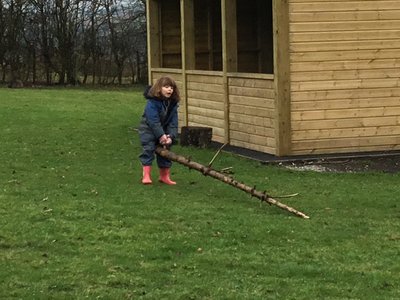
(285, 77)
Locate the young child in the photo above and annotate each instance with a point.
(159, 126)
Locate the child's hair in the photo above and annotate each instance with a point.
(155, 90)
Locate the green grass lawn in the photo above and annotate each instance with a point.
(76, 223)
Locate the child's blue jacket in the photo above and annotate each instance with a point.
(160, 117)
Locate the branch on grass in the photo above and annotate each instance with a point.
(207, 171)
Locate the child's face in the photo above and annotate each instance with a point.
(167, 91)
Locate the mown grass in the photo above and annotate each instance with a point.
(76, 223)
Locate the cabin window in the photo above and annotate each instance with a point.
(170, 34)
(253, 47)
(254, 36)
(208, 35)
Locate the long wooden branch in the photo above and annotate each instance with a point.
(207, 171)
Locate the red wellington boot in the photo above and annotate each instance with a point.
(146, 175)
(164, 176)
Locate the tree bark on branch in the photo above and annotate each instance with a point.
(208, 171)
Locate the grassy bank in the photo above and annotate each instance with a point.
(76, 223)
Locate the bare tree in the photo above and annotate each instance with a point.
(137, 41)
(41, 20)
(3, 47)
(90, 48)
(67, 16)
(71, 40)
(15, 17)
(124, 19)
(117, 30)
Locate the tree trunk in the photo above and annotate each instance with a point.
(34, 65)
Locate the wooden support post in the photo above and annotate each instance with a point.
(229, 54)
(229, 35)
(187, 33)
(282, 77)
(153, 37)
(188, 48)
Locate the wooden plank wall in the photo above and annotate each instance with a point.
(205, 98)
(251, 106)
(251, 113)
(345, 75)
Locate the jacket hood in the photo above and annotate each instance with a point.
(146, 92)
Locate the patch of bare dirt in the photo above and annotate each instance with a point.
(387, 164)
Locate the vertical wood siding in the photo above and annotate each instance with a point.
(345, 75)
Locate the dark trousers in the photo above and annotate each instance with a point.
(149, 146)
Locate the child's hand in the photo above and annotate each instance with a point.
(169, 140)
(163, 139)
